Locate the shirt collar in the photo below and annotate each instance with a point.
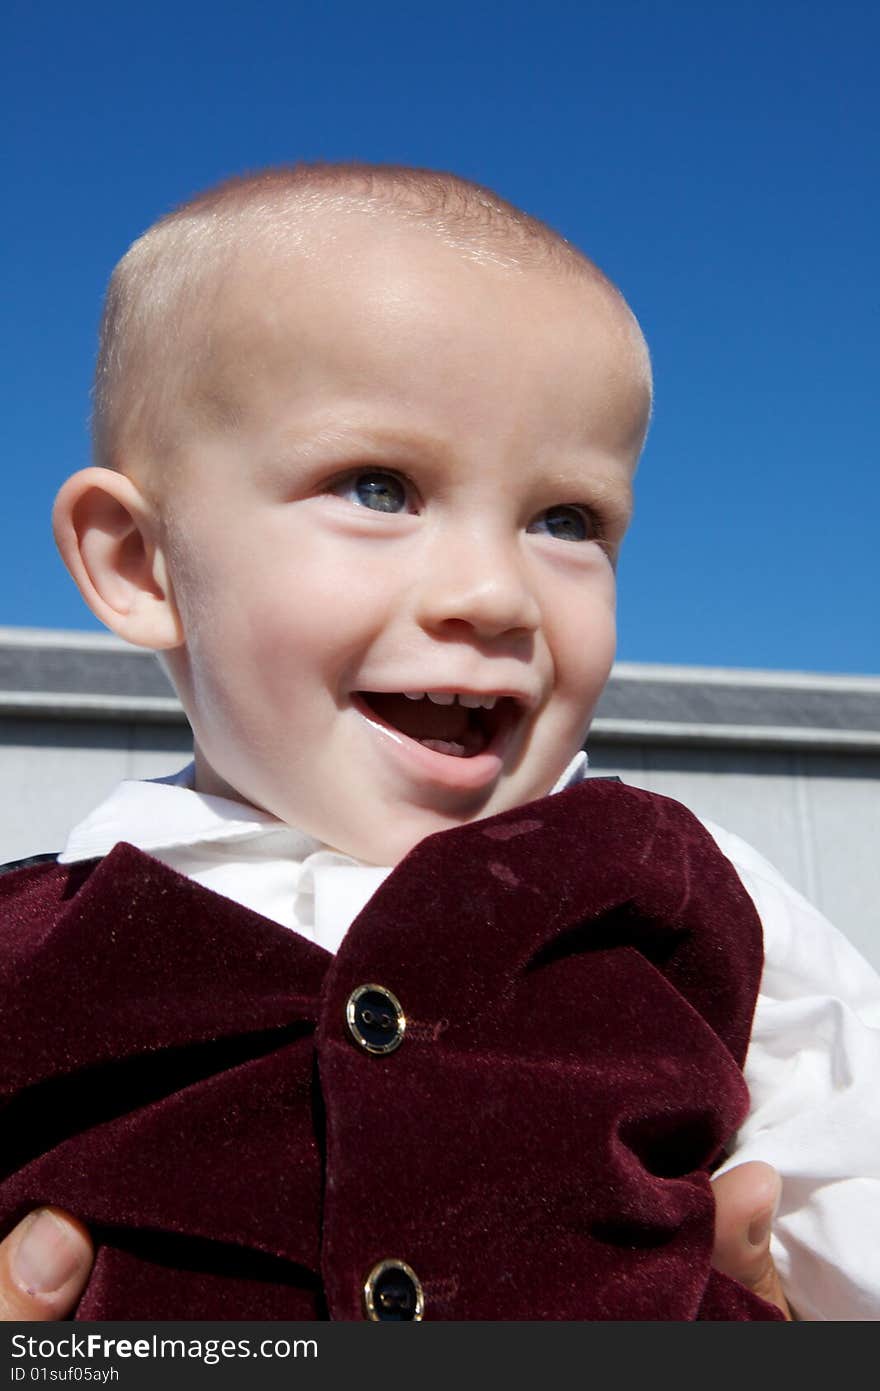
(167, 813)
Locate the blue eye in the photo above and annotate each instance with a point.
(380, 492)
(565, 524)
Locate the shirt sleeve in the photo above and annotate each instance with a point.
(812, 1070)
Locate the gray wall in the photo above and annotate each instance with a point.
(789, 761)
(815, 816)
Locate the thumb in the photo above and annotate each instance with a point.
(746, 1199)
(44, 1265)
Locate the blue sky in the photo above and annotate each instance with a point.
(718, 160)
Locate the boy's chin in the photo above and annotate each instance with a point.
(389, 845)
(388, 821)
(386, 839)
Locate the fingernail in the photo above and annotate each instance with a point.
(760, 1227)
(49, 1252)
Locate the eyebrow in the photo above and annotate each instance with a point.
(613, 493)
(361, 437)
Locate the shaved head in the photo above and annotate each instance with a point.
(164, 316)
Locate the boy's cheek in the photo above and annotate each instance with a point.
(583, 675)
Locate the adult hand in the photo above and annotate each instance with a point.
(746, 1199)
(45, 1261)
(44, 1264)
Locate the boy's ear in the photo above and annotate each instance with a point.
(107, 533)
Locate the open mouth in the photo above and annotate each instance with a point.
(458, 725)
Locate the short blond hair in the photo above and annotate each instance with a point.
(154, 339)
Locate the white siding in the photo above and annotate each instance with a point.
(816, 817)
(788, 761)
(53, 772)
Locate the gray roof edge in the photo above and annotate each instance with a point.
(81, 641)
(743, 736)
(60, 706)
(63, 674)
(65, 705)
(767, 678)
(86, 641)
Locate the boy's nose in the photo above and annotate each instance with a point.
(479, 584)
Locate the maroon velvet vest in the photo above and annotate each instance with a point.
(578, 978)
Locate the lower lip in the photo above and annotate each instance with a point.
(472, 774)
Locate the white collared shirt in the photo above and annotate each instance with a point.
(235, 850)
(814, 1055)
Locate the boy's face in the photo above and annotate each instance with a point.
(423, 493)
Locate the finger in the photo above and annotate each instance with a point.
(44, 1265)
(746, 1199)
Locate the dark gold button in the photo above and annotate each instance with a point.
(375, 1018)
(393, 1294)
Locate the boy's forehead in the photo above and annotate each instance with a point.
(353, 297)
(352, 263)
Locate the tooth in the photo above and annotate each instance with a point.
(473, 702)
(441, 697)
(488, 701)
(414, 695)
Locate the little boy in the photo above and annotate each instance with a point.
(365, 441)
